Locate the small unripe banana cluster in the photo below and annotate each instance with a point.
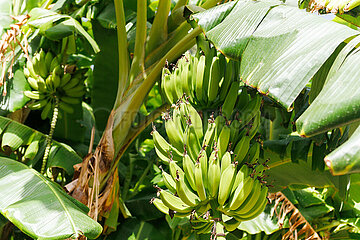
(215, 176)
(47, 78)
(207, 80)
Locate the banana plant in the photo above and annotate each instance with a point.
(281, 49)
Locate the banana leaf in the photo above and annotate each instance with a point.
(291, 164)
(281, 47)
(14, 135)
(39, 207)
(335, 106)
(57, 26)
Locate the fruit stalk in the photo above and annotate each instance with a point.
(51, 132)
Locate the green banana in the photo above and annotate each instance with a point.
(255, 203)
(192, 77)
(185, 194)
(206, 229)
(36, 60)
(43, 70)
(48, 59)
(66, 107)
(219, 123)
(174, 203)
(192, 142)
(214, 80)
(240, 177)
(175, 136)
(223, 141)
(169, 181)
(251, 109)
(199, 181)
(41, 84)
(184, 77)
(46, 110)
(241, 193)
(225, 161)
(214, 173)
(203, 159)
(250, 201)
(254, 153)
(209, 136)
(34, 95)
(202, 208)
(30, 67)
(38, 104)
(56, 80)
(209, 58)
(242, 100)
(177, 118)
(228, 79)
(27, 73)
(226, 183)
(175, 170)
(33, 83)
(255, 125)
(77, 88)
(235, 133)
(164, 150)
(231, 224)
(70, 100)
(160, 205)
(200, 75)
(49, 83)
(257, 211)
(241, 149)
(195, 121)
(230, 100)
(54, 63)
(165, 86)
(71, 84)
(178, 90)
(73, 93)
(189, 168)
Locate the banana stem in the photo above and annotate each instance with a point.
(137, 65)
(49, 137)
(124, 62)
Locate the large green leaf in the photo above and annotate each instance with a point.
(291, 164)
(14, 135)
(281, 47)
(57, 26)
(39, 207)
(339, 101)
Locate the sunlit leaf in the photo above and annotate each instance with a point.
(39, 207)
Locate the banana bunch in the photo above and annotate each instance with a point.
(206, 80)
(213, 170)
(49, 81)
(185, 131)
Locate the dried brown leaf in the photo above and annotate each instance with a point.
(299, 226)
